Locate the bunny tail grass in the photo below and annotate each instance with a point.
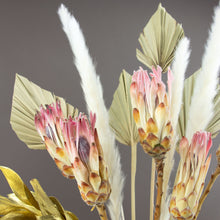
(201, 108)
(179, 66)
(93, 93)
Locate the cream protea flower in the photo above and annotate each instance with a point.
(74, 145)
(151, 105)
(191, 175)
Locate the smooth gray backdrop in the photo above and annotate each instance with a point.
(33, 44)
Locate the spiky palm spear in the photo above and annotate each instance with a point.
(74, 145)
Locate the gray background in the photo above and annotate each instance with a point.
(33, 44)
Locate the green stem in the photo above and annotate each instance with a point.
(152, 184)
(133, 174)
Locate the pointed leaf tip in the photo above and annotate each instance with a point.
(18, 187)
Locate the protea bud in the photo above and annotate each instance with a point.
(74, 145)
(151, 111)
(191, 175)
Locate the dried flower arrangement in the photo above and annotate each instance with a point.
(163, 119)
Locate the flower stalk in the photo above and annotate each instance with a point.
(151, 112)
(159, 169)
(102, 212)
(208, 188)
(152, 189)
(133, 174)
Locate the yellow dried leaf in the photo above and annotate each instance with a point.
(70, 216)
(6, 206)
(58, 205)
(47, 207)
(159, 40)
(18, 187)
(24, 204)
(21, 205)
(49, 217)
(18, 216)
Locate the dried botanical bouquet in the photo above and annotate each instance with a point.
(179, 116)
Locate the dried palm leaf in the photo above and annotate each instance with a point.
(27, 99)
(214, 124)
(187, 94)
(120, 113)
(159, 39)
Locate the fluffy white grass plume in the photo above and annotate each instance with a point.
(179, 66)
(94, 98)
(180, 63)
(201, 108)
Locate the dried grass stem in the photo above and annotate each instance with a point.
(102, 212)
(152, 189)
(208, 188)
(133, 174)
(159, 168)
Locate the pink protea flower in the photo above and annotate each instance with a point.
(74, 145)
(151, 110)
(191, 174)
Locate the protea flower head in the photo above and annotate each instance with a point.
(74, 145)
(151, 111)
(191, 174)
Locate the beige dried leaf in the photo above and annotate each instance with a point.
(187, 95)
(120, 113)
(27, 99)
(214, 124)
(159, 40)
